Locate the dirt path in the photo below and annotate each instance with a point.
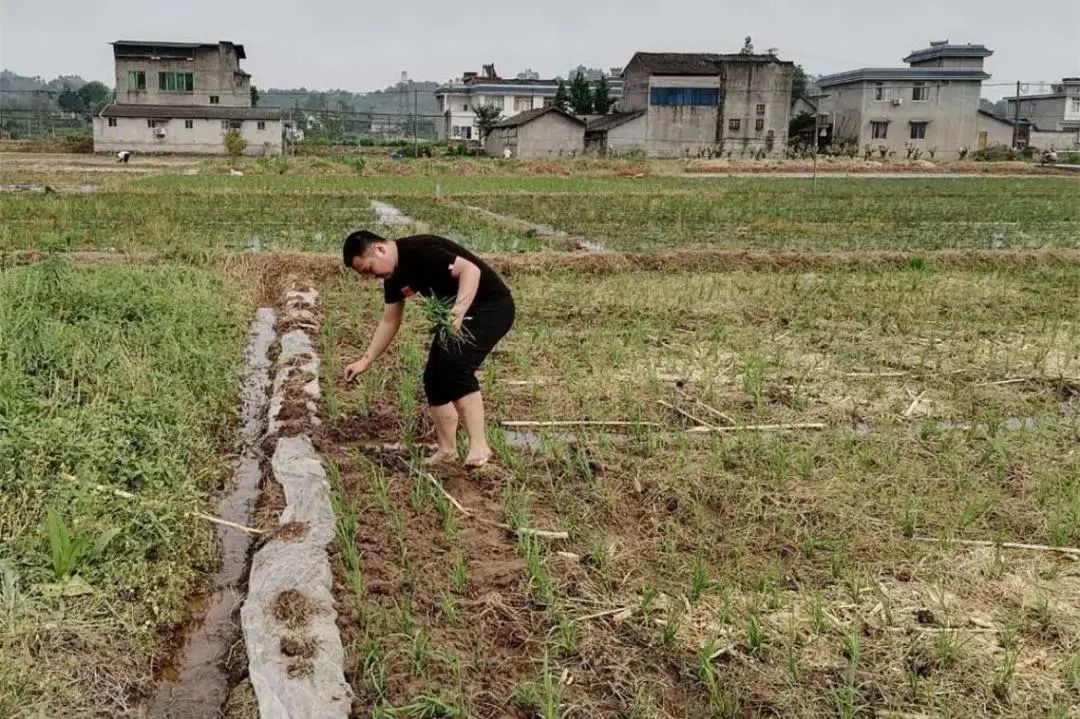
(322, 265)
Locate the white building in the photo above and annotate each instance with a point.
(930, 106)
(458, 100)
(183, 98)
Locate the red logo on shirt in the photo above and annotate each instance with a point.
(407, 291)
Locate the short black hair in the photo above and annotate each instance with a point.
(357, 244)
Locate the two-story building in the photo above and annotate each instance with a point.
(459, 99)
(1057, 110)
(931, 105)
(174, 97)
(688, 103)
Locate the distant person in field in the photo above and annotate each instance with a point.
(481, 313)
(123, 156)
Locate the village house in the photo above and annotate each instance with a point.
(681, 104)
(1048, 121)
(176, 97)
(616, 134)
(1058, 109)
(459, 99)
(543, 132)
(931, 106)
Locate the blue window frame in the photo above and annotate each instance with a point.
(684, 96)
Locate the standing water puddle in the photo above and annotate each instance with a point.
(197, 686)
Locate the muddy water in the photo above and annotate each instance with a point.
(197, 686)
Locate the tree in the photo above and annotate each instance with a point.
(562, 97)
(799, 81)
(254, 96)
(94, 94)
(70, 101)
(580, 96)
(234, 144)
(487, 116)
(602, 97)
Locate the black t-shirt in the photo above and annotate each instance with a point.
(423, 268)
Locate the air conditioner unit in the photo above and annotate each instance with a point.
(159, 132)
(897, 101)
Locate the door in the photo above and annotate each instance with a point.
(982, 139)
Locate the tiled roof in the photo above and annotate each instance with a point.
(939, 51)
(190, 112)
(529, 115)
(606, 122)
(901, 73)
(151, 44)
(695, 63)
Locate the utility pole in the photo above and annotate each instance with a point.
(415, 134)
(1016, 116)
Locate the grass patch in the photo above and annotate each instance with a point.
(111, 380)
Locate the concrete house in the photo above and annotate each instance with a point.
(458, 99)
(1049, 121)
(1055, 110)
(931, 104)
(693, 102)
(616, 134)
(543, 132)
(182, 98)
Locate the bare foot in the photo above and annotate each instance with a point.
(479, 459)
(439, 457)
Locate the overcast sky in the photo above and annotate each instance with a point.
(364, 45)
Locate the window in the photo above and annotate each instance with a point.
(759, 124)
(157, 123)
(112, 122)
(684, 96)
(879, 91)
(261, 125)
(465, 108)
(918, 130)
(879, 129)
(468, 132)
(919, 92)
(522, 103)
(760, 110)
(214, 99)
(1076, 104)
(495, 101)
(176, 81)
(136, 80)
(189, 124)
(231, 125)
(734, 124)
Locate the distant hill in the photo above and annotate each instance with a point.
(21, 91)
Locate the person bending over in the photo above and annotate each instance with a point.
(482, 311)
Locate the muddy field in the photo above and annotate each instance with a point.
(752, 458)
(711, 570)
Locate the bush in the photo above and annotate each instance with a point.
(996, 153)
(234, 143)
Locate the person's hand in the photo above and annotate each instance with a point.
(457, 317)
(356, 369)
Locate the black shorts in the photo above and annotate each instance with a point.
(450, 373)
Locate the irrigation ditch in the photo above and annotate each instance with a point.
(266, 635)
